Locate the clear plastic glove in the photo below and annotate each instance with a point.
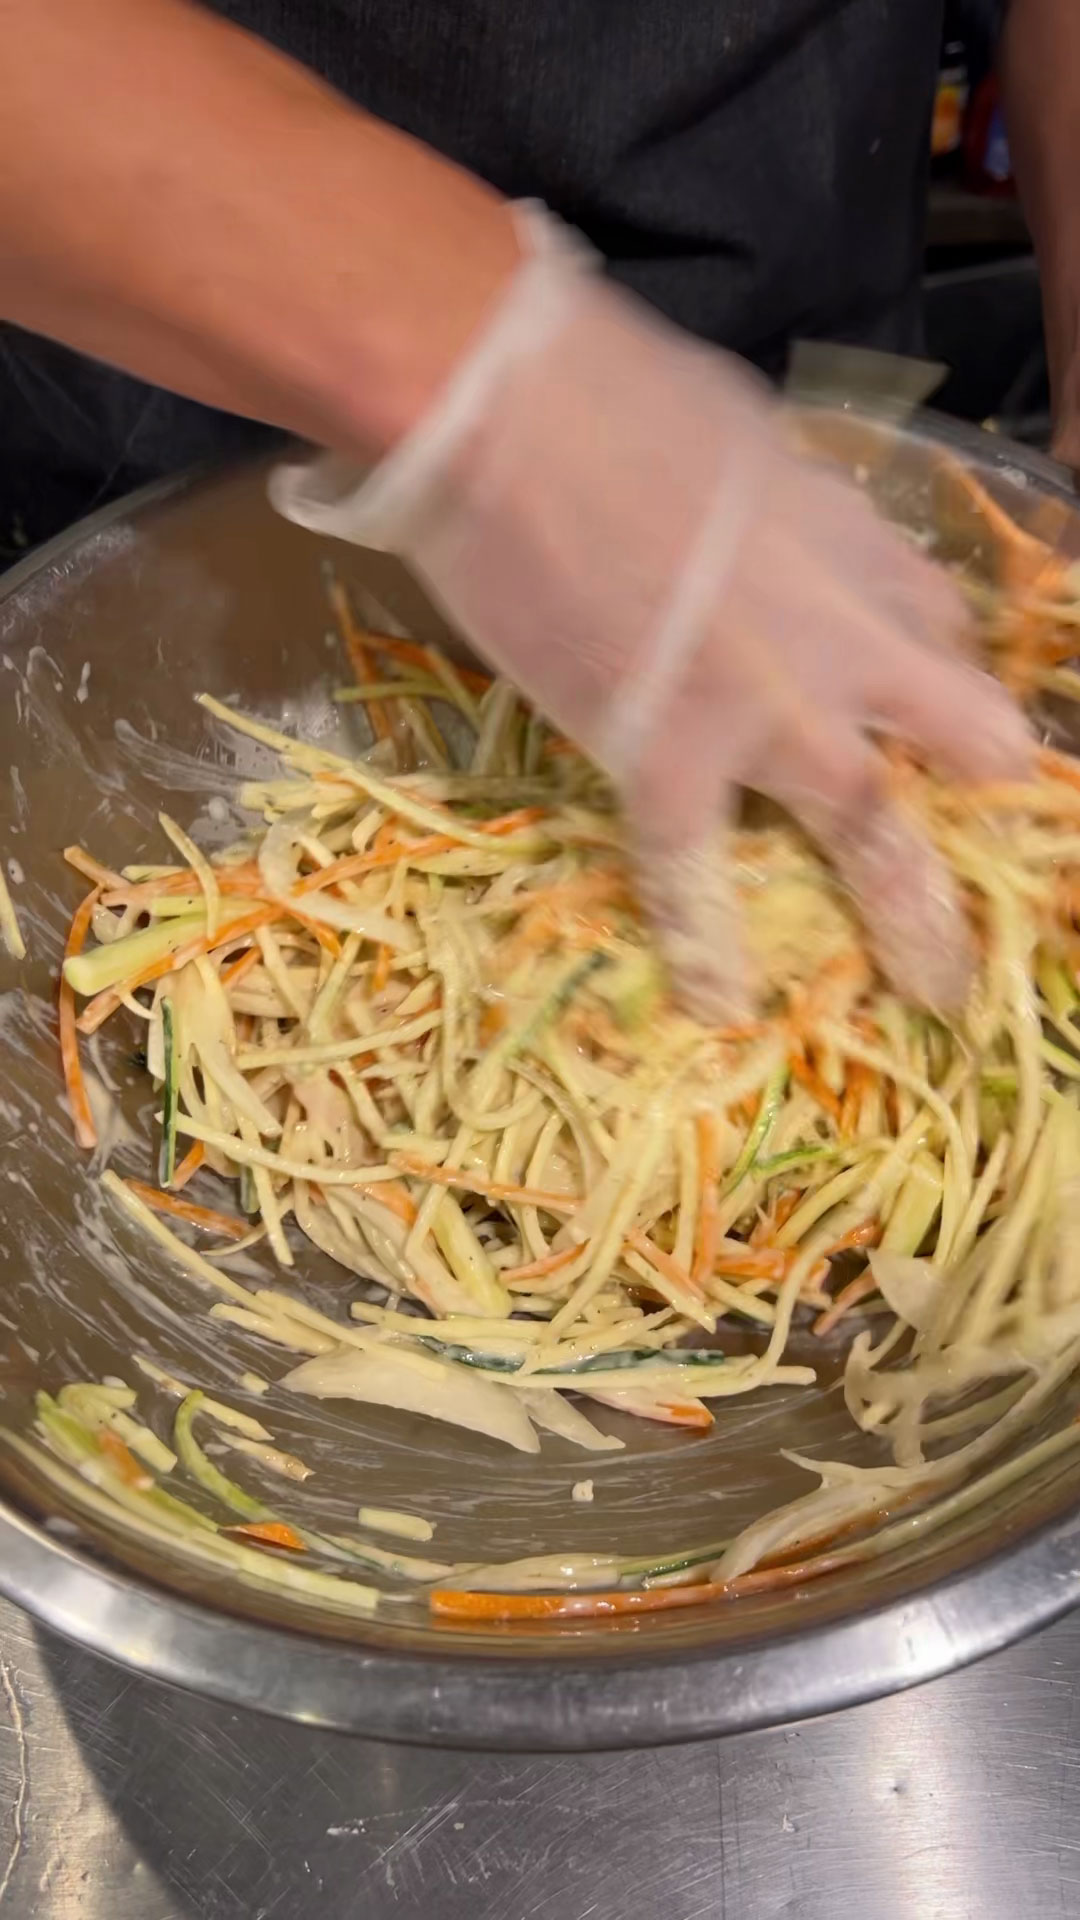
(615, 517)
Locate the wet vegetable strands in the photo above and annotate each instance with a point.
(415, 1018)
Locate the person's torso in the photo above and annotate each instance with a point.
(755, 168)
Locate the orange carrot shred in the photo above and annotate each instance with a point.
(686, 1413)
(663, 1262)
(753, 1263)
(237, 969)
(189, 1166)
(206, 1217)
(243, 880)
(269, 1533)
(388, 848)
(771, 1576)
(381, 974)
(325, 935)
(409, 653)
(808, 1077)
(78, 1100)
(104, 1004)
(541, 1269)
(708, 1175)
(123, 1460)
(1060, 766)
(411, 1163)
(359, 658)
(861, 1236)
(850, 1296)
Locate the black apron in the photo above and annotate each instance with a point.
(755, 168)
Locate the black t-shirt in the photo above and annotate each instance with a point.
(755, 168)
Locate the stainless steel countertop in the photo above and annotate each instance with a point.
(120, 1800)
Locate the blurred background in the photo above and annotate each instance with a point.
(982, 291)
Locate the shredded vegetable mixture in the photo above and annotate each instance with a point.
(414, 1018)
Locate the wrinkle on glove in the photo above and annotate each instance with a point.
(614, 516)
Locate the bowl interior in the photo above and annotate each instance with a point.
(103, 643)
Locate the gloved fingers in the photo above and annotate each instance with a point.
(964, 722)
(855, 661)
(913, 592)
(910, 908)
(679, 811)
(843, 534)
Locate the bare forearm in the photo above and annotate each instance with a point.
(182, 201)
(1041, 73)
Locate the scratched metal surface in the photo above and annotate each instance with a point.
(122, 1801)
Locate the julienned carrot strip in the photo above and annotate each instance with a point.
(664, 1264)
(1060, 766)
(861, 1236)
(102, 1005)
(541, 1269)
(90, 868)
(708, 1175)
(394, 1196)
(505, 823)
(206, 1217)
(410, 653)
(122, 1458)
(78, 1101)
(809, 1004)
(381, 973)
(1025, 557)
(244, 880)
(325, 936)
(861, 1081)
(269, 1533)
(756, 1263)
(850, 1296)
(685, 1413)
(359, 658)
(567, 911)
(235, 971)
(786, 1206)
(355, 864)
(772, 1574)
(106, 1003)
(769, 1224)
(1056, 647)
(452, 1605)
(808, 1077)
(388, 849)
(419, 1169)
(189, 1166)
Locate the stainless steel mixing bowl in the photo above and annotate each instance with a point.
(104, 637)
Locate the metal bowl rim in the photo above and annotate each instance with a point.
(556, 1702)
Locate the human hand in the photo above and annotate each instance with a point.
(615, 517)
(1065, 445)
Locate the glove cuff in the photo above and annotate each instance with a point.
(380, 507)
